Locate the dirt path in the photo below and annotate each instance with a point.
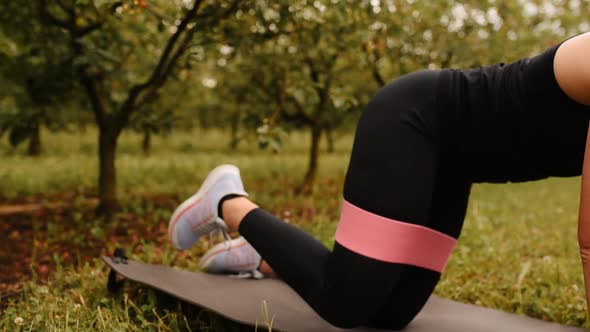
(36, 229)
(12, 209)
(16, 250)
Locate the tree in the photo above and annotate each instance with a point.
(109, 41)
(303, 73)
(408, 36)
(34, 75)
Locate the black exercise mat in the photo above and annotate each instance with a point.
(241, 300)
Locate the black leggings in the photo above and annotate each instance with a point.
(396, 171)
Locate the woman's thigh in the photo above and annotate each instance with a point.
(394, 172)
(394, 157)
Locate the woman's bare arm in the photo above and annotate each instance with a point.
(584, 222)
(572, 72)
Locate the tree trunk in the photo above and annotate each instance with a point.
(146, 144)
(107, 177)
(35, 142)
(307, 185)
(330, 140)
(235, 122)
(203, 120)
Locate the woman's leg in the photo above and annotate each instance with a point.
(449, 204)
(391, 174)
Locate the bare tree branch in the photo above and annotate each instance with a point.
(190, 15)
(256, 79)
(68, 8)
(82, 31)
(161, 79)
(279, 97)
(377, 77)
(448, 59)
(52, 18)
(315, 75)
(375, 70)
(184, 45)
(299, 115)
(70, 22)
(134, 92)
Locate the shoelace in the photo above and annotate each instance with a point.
(216, 228)
(213, 228)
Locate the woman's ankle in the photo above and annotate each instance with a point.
(222, 200)
(234, 210)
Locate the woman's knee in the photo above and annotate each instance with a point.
(361, 291)
(354, 288)
(345, 314)
(349, 313)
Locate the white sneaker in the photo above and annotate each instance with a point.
(241, 257)
(198, 214)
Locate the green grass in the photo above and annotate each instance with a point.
(518, 250)
(176, 165)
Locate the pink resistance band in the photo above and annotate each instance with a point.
(393, 241)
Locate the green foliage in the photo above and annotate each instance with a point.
(123, 52)
(38, 81)
(249, 64)
(156, 118)
(272, 137)
(262, 56)
(316, 64)
(406, 36)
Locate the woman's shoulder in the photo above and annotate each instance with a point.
(572, 68)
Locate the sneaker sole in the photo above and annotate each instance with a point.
(212, 177)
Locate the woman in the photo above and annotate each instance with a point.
(419, 145)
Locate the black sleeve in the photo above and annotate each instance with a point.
(540, 83)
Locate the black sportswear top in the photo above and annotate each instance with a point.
(517, 123)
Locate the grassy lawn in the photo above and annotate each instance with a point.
(517, 253)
